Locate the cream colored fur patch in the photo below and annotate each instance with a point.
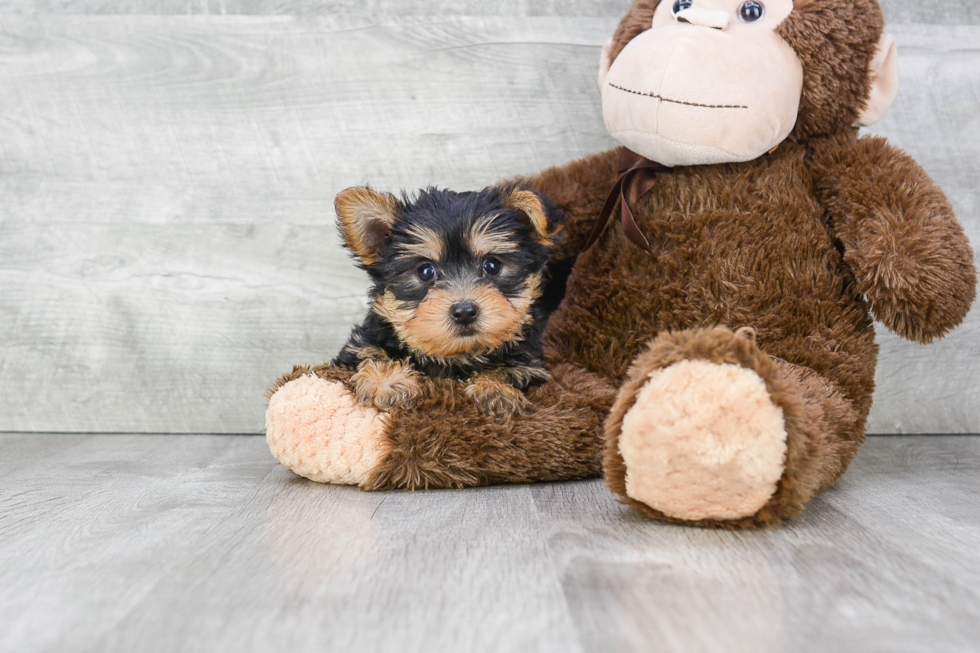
(317, 429)
(703, 441)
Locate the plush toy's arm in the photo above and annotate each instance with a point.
(579, 189)
(909, 254)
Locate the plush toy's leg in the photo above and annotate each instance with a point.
(708, 429)
(316, 428)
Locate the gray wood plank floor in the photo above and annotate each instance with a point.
(202, 543)
(166, 183)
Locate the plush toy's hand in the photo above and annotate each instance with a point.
(915, 270)
(495, 396)
(910, 257)
(386, 383)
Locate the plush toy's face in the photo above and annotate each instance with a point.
(714, 81)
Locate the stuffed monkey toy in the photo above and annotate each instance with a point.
(713, 356)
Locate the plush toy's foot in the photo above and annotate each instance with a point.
(703, 441)
(316, 428)
(709, 430)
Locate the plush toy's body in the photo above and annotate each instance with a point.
(723, 376)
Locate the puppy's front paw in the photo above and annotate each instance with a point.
(496, 397)
(384, 384)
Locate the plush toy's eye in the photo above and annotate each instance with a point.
(427, 272)
(681, 5)
(491, 266)
(751, 11)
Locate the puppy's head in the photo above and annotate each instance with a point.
(456, 274)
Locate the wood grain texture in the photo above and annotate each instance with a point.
(951, 12)
(166, 237)
(319, 7)
(202, 543)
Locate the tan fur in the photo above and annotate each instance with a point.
(365, 353)
(397, 313)
(494, 395)
(525, 375)
(481, 241)
(365, 218)
(530, 204)
(432, 331)
(428, 245)
(429, 329)
(385, 383)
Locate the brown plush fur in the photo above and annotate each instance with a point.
(813, 460)
(911, 257)
(835, 42)
(448, 442)
(789, 244)
(579, 189)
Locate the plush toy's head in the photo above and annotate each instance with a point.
(687, 82)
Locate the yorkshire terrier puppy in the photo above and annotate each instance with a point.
(457, 292)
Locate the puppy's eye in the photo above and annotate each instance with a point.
(681, 5)
(751, 11)
(491, 266)
(427, 272)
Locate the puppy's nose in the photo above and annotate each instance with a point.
(464, 312)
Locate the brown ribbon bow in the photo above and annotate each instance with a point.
(637, 175)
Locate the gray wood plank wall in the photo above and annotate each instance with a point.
(166, 233)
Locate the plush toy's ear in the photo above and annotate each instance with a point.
(537, 214)
(366, 218)
(605, 61)
(884, 81)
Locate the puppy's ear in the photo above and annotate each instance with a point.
(540, 214)
(366, 219)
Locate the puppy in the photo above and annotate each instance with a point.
(457, 286)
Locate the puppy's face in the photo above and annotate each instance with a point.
(455, 274)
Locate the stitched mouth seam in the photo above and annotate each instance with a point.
(689, 104)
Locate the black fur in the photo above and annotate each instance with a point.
(451, 215)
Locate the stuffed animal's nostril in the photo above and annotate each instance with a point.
(464, 312)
